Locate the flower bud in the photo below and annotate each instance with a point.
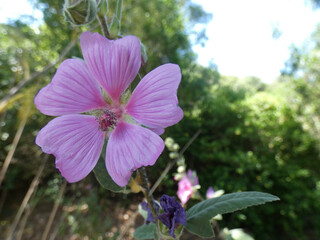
(168, 142)
(173, 155)
(80, 12)
(181, 161)
(175, 147)
(181, 169)
(100, 2)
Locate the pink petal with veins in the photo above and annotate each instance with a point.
(72, 90)
(76, 143)
(129, 148)
(114, 63)
(154, 102)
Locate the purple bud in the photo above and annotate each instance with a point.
(146, 207)
(173, 215)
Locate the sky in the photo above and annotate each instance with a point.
(12, 9)
(240, 33)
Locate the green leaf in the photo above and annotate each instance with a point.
(145, 231)
(143, 212)
(199, 216)
(103, 176)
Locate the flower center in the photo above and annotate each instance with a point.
(107, 120)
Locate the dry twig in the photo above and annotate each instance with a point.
(54, 211)
(31, 190)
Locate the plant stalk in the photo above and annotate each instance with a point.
(31, 190)
(104, 26)
(15, 142)
(148, 195)
(54, 211)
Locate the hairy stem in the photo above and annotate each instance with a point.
(104, 26)
(146, 191)
(148, 196)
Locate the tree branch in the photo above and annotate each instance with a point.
(172, 163)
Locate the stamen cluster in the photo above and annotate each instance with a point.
(107, 121)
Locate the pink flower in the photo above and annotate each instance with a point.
(76, 140)
(192, 175)
(210, 193)
(185, 189)
(186, 186)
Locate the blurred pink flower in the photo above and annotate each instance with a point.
(192, 175)
(210, 193)
(184, 189)
(186, 186)
(76, 140)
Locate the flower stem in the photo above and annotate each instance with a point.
(104, 26)
(147, 194)
(146, 191)
(217, 232)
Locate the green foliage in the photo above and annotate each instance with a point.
(254, 140)
(145, 231)
(87, 217)
(199, 216)
(80, 12)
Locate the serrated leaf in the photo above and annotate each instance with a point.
(145, 231)
(103, 176)
(199, 216)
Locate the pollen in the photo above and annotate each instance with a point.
(107, 121)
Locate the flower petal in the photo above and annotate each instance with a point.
(76, 142)
(114, 63)
(129, 148)
(165, 218)
(184, 189)
(72, 90)
(154, 102)
(158, 131)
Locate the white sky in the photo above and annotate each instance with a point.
(240, 33)
(12, 9)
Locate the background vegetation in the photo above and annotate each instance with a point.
(254, 136)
